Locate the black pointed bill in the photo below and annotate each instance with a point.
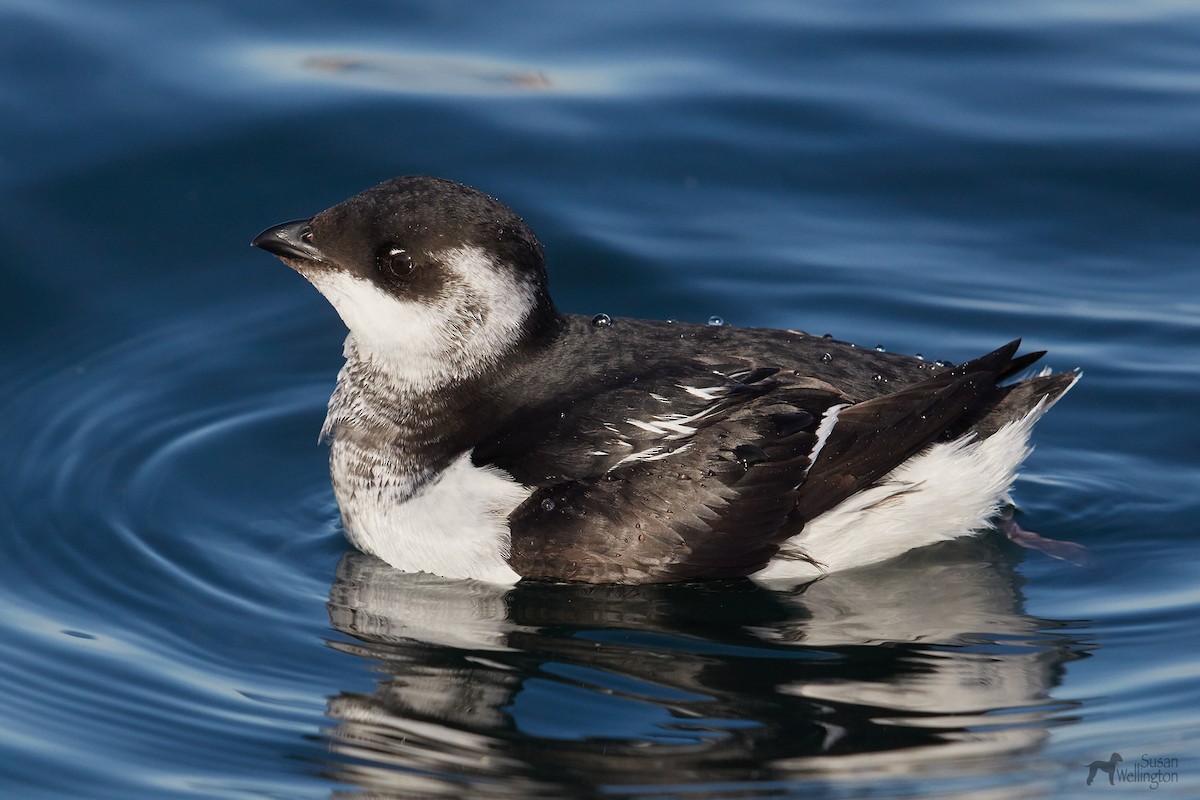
(289, 240)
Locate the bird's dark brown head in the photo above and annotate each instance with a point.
(423, 269)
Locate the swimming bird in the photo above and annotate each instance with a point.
(477, 432)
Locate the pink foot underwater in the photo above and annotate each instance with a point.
(1076, 554)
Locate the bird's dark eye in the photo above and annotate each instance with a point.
(396, 262)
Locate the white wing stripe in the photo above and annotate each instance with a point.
(711, 393)
(828, 421)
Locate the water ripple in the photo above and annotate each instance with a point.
(940, 178)
(155, 569)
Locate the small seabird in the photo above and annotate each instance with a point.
(477, 432)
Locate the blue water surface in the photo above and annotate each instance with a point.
(181, 616)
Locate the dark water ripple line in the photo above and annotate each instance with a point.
(139, 614)
(113, 703)
(93, 466)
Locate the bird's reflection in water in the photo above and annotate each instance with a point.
(924, 666)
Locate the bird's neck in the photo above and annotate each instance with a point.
(388, 415)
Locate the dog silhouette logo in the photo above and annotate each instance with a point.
(1109, 766)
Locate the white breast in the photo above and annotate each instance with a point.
(455, 525)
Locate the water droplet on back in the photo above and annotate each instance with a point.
(601, 321)
(880, 348)
(715, 321)
(826, 358)
(748, 455)
(548, 505)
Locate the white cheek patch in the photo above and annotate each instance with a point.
(472, 324)
(375, 316)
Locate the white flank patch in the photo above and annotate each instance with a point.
(946, 491)
(455, 526)
(427, 344)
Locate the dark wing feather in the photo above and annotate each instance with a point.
(723, 500)
(590, 429)
(874, 437)
(708, 509)
(1011, 403)
(547, 416)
